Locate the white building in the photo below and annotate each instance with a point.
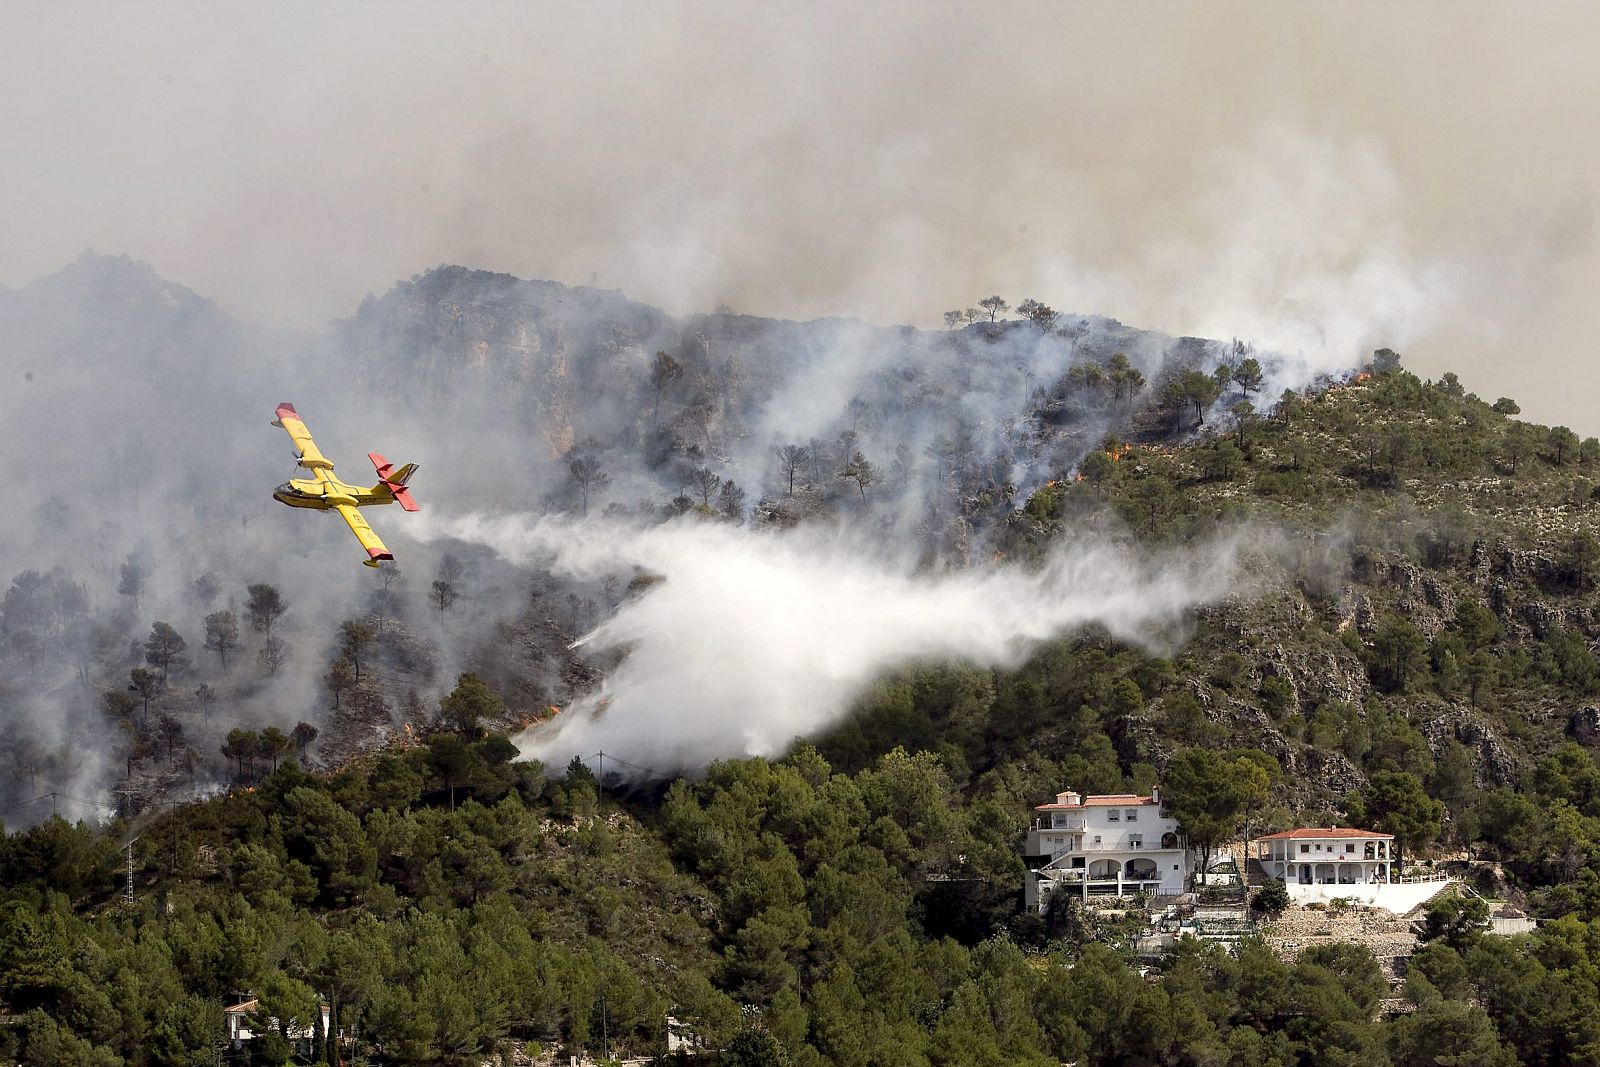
(1329, 862)
(1112, 845)
(238, 1019)
(1332, 855)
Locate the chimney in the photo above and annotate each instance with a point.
(1069, 797)
(1155, 794)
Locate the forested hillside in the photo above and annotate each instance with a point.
(1416, 655)
(159, 598)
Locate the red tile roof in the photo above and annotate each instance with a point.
(1321, 833)
(1109, 800)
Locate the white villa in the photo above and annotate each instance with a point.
(240, 1030)
(1332, 855)
(1112, 845)
(1329, 862)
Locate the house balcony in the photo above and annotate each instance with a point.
(1037, 846)
(1107, 876)
(1076, 876)
(1109, 886)
(1045, 843)
(1069, 823)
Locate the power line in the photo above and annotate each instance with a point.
(78, 800)
(601, 757)
(54, 796)
(24, 804)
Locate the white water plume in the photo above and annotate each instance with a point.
(753, 638)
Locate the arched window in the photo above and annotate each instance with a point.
(1143, 870)
(1104, 869)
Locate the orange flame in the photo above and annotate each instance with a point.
(549, 712)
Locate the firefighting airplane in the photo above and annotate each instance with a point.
(327, 493)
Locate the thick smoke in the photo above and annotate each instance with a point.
(154, 404)
(143, 413)
(1245, 168)
(1313, 183)
(154, 407)
(740, 641)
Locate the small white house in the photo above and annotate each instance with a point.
(1110, 845)
(1329, 855)
(1329, 862)
(681, 1038)
(240, 1031)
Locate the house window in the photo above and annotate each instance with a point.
(1136, 841)
(1304, 849)
(1349, 848)
(1113, 815)
(1097, 839)
(1132, 814)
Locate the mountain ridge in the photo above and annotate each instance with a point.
(1418, 654)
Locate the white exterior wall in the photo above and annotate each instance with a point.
(1358, 869)
(1093, 827)
(239, 1030)
(1327, 861)
(1096, 849)
(1398, 897)
(1146, 823)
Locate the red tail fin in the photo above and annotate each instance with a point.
(395, 480)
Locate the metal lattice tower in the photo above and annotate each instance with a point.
(127, 887)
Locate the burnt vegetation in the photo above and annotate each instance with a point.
(363, 834)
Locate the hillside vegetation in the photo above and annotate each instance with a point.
(1419, 658)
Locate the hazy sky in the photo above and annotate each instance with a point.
(1336, 175)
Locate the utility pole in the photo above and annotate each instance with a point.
(600, 806)
(605, 1030)
(127, 891)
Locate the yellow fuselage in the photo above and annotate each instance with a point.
(325, 492)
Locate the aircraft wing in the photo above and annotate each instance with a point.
(369, 540)
(310, 457)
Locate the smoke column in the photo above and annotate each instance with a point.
(1286, 173)
(751, 639)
